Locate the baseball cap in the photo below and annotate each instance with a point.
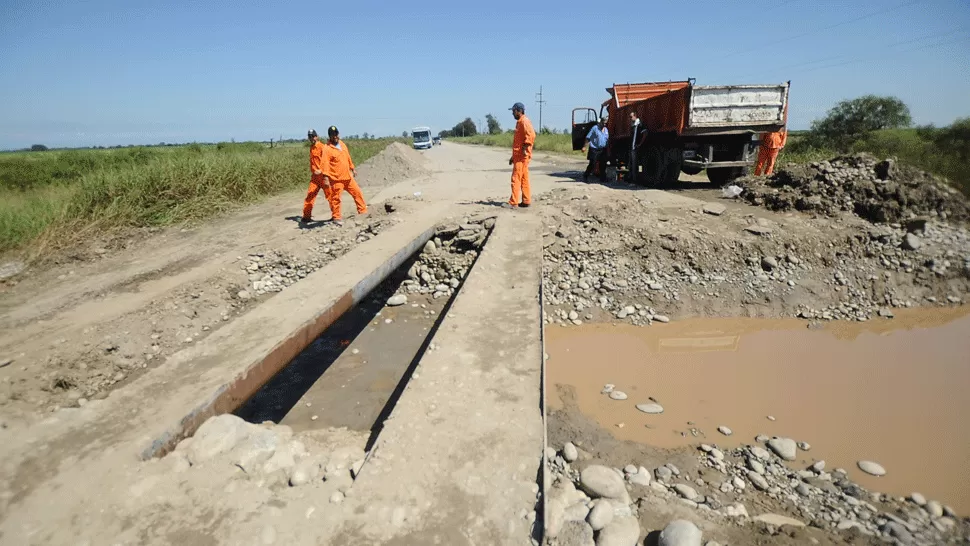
(518, 106)
(333, 130)
(311, 133)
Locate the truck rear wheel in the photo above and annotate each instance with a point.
(691, 170)
(724, 175)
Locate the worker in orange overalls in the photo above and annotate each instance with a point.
(316, 176)
(771, 144)
(522, 141)
(339, 173)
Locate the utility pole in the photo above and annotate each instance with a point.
(540, 102)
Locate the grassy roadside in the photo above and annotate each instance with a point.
(52, 199)
(560, 144)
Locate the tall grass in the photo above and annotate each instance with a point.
(51, 199)
(561, 144)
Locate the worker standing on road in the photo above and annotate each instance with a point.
(339, 173)
(317, 179)
(771, 144)
(522, 141)
(596, 140)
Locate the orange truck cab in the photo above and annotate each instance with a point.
(689, 128)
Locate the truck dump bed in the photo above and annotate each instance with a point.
(684, 108)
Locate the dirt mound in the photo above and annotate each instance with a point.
(878, 191)
(396, 163)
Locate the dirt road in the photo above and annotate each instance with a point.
(93, 347)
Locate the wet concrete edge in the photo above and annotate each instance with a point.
(231, 395)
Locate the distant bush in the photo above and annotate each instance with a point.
(38, 148)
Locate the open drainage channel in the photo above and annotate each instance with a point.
(352, 375)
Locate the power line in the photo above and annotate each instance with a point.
(836, 25)
(843, 57)
(878, 57)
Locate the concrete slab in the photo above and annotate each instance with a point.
(458, 460)
(466, 437)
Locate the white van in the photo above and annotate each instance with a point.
(422, 138)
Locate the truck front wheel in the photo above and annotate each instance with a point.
(724, 175)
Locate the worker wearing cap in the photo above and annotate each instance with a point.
(339, 173)
(596, 140)
(771, 144)
(522, 141)
(317, 179)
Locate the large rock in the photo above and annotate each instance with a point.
(911, 242)
(685, 491)
(603, 482)
(622, 531)
(569, 452)
(255, 449)
(760, 453)
(786, 448)
(872, 468)
(652, 408)
(399, 299)
(575, 533)
(680, 533)
(758, 480)
(715, 209)
(216, 436)
(601, 515)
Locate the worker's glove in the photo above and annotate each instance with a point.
(317, 172)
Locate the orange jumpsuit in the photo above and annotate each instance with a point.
(524, 134)
(339, 169)
(316, 180)
(771, 144)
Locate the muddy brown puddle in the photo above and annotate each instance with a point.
(892, 391)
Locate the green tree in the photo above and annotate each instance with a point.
(38, 148)
(853, 119)
(445, 134)
(494, 127)
(465, 128)
(404, 134)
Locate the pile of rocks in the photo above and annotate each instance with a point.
(752, 475)
(267, 453)
(594, 505)
(879, 191)
(600, 267)
(446, 259)
(274, 271)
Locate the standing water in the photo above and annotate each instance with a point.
(891, 391)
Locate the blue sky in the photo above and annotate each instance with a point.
(104, 72)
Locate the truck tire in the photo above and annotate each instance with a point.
(724, 175)
(672, 163)
(691, 170)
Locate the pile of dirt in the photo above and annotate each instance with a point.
(878, 191)
(395, 163)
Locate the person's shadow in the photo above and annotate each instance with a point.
(309, 225)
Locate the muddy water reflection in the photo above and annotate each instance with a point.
(894, 391)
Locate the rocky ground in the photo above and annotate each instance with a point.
(626, 260)
(621, 492)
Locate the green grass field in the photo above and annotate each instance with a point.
(52, 199)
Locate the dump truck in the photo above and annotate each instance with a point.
(688, 128)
